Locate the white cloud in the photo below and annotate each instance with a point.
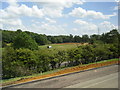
(48, 10)
(85, 25)
(82, 13)
(11, 21)
(107, 26)
(23, 10)
(6, 15)
(57, 12)
(50, 20)
(81, 22)
(48, 29)
(78, 12)
(14, 27)
(90, 28)
(52, 8)
(75, 29)
(10, 16)
(12, 24)
(60, 3)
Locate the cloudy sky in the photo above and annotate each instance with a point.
(59, 17)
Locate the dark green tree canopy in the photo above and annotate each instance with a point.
(23, 40)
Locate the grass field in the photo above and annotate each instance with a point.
(61, 46)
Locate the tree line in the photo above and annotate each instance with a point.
(42, 39)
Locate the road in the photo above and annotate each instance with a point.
(106, 77)
(108, 81)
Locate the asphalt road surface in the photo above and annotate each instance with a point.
(106, 77)
(108, 81)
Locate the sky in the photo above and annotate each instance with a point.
(59, 17)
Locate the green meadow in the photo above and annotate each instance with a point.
(62, 46)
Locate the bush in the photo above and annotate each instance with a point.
(19, 62)
(8, 56)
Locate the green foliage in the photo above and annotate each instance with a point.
(44, 58)
(24, 41)
(41, 39)
(8, 36)
(77, 39)
(18, 62)
(110, 37)
(85, 38)
(3, 44)
(60, 57)
(8, 56)
(26, 59)
(87, 54)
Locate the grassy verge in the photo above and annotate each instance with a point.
(116, 59)
(34, 75)
(50, 73)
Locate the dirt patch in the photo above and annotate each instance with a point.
(65, 71)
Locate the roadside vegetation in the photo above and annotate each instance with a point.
(26, 53)
(57, 72)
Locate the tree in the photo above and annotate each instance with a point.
(19, 62)
(23, 40)
(19, 31)
(8, 55)
(53, 39)
(61, 57)
(8, 36)
(44, 59)
(41, 39)
(27, 57)
(59, 39)
(85, 38)
(110, 37)
(71, 38)
(94, 39)
(71, 55)
(87, 54)
(77, 39)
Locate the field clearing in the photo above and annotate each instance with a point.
(62, 46)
